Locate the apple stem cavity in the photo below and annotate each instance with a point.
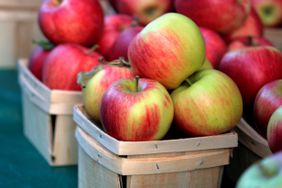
(46, 45)
(137, 78)
(266, 171)
(267, 10)
(150, 10)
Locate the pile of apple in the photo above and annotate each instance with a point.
(144, 71)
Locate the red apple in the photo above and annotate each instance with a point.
(169, 49)
(251, 68)
(37, 58)
(269, 11)
(64, 63)
(71, 21)
(114, 25)
(268, 99)
(120, 46)
(221, 16)
(144, 10)
(209, 103)
(274, 130)
(215, 46)
(136, 110)
(97, 84)
(266, 173)
(252, 27)
(244, 42)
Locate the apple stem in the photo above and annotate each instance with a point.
(137, 82)
(93, 48)
(102, 60)
(265, 171)
(124, 62)
(188, 82)
(46, 45)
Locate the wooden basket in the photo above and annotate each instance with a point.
(187, 162)
(252, 148)
(275, 36)
(48, 120)
(18, 23)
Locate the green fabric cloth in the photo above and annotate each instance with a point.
(21, 165)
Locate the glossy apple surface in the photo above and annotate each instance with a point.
(169, 49)
(136, 110)
(209, 104)
(274, 130)
(71, 21)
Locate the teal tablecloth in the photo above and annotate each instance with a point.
(21, 165)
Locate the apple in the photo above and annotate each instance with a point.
(251, 68)
(113, 26)
(215, 46)
(207, 65)
(269, 11)
(274, 130)
(63, 64)
(38, 56)
(252, 27)
(136, 110)
(221, 16)
(208, 103)
(266, 173)
(144, 10)
(97, 82)
(71, 21)
(169, 49)
(268, 99)
(244, 42)
(120, 46)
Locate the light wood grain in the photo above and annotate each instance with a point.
(275, 36)
(20, 4)
(227, 140)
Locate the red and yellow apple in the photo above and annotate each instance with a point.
(274, 130)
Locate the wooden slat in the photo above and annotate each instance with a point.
(275, 36)
(151, 165)
(20, 4)
(252, 140)
(227, 140)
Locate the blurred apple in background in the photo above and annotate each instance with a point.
(37, 58)
(245, 42)
(215, 46)
(274, 130)
(209, 103)
(268, 99)
(269, 11)
(252, 27)
(71, 21)
(98, 81)
(144, 10)
(121, 44)
(169, 49)
(221, 16)
(267, 173)
(114, 25)
(135, 110)
(63, 64)
(251, 68)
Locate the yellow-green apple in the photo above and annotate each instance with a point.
(144, 10)
(208, 103)
(244, 42)
(252, 27)
(221, 16)
(63, 64)
(215, 46)
(169, 49)
(99, 81)
(207, 65)
(269, 11)
(120, 46)
(274, 130)
(268, 99)
(113, 26)
(37, 58)
(136, 110)
(266, 173)
(251, 68)
(71, 21)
